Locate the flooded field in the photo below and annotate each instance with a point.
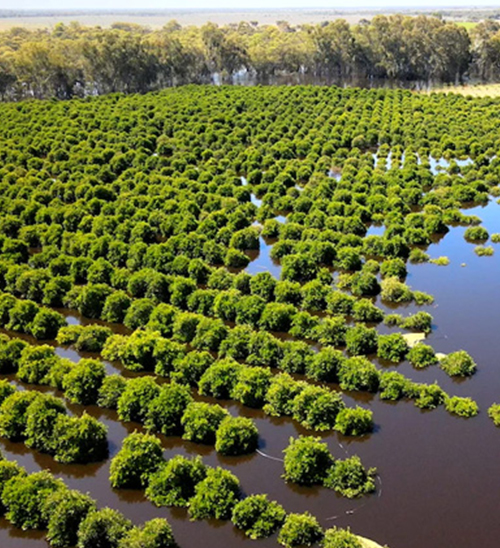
(438, 483)
(171, 240)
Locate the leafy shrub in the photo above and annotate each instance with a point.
(300, 530)
(484, 251)
(476, 234)
(394, 386)
(392, 347)
(24, 498)
(104, 527)
(361, 340)
(428, 396)
(251, 386)
(14, 416)
(394, 291)
(83, 382)
(219, 379)
(357, 373)
(236, 436)
(307, 461)
(421, 356)
(155, 533)
(281, 395)
(134, 402)
(79, 439)
(35, 363)
(41, 417)
(354, 421)
(494, 413)
(215, 496)
(325, 365)
(420, 321)
(349, 478)
(46, 324)
(140, 456)
(458, 364)
(174, 483)
(316, 407)
(165, 411)
(64, 511)
(201, 420)
(111, 389)
(258, 517)
(462, 407)
(340, 538)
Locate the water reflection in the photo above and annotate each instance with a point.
(261, 261)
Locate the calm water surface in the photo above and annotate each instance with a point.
(439, 481)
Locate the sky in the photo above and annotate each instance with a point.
(241, 4)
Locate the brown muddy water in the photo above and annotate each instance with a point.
(439, 481)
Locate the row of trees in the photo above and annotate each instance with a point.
(74, 60)
(39, 501)
(215, 493)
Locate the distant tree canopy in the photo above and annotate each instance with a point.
(73, 60)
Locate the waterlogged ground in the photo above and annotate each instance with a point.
(439, 480)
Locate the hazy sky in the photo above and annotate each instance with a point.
(241, 4)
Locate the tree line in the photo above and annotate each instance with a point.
(76, 61)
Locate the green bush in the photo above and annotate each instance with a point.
(134, 402)
(35, 363)
(392, 347)
(325, 365)
(155, 533)
(428, 396)
(219, 379)
(307, 461)
(165, 411)
(317, 408)
(364, 310)
(236, 436)
(14, 414)
(104, 527)
(300, 530)
(349, 478)
(476, 234)
(394, 386)
(41, 417)
(340, 538)
(79, 439)
(354, 421)
(420, 321)
(422, 355)
(258, 517)
(494, 413)
(251, 386)
(361, 340)
(201, 420)
(83, 382)
(25, 496)
(140, 456)
(215, 496)
(64, 511)
(281, 395)
(394, 291)
(111, 389)
(458, 364)
(174, 483)
(46, 324)
(462, 407)
(357, 373)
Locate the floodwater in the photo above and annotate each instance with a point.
(439, 483)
